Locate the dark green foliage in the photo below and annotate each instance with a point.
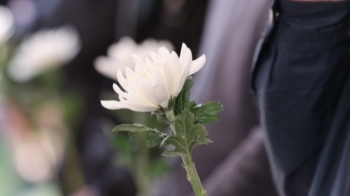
(207, 113)
(188, 135)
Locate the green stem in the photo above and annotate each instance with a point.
(141, 169)
(142, 173)
(192, 174)
(171, 117)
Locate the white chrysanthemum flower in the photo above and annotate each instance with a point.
(120, 55)
(43, 51)
(6, 24)
(155, 81)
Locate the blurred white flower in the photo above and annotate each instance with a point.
(120, 55)
(6, 24)
(43, 51)
(154, 82)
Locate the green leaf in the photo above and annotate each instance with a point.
(161, 116)
(207, 113)
(203, 141)
(133, 134)
(188, 135)
(183, 99)
(132, 128)
(180, 146)
(153, 122)
(173, 154)
(155, 139)
(162, 119)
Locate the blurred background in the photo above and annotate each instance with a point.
(56, 59)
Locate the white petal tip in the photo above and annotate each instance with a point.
(117, 89)
(111, 105)
(198, 64)
(202, 59)
(163, 50)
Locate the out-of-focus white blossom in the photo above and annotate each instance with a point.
(43, 51)
(120, 55)
(154, 82)
(6, 24)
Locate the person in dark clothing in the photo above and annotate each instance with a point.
(302, 81)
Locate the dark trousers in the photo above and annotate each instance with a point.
(301, 80)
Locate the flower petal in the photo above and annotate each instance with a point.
(152, 82)
(106, 67)
(118, 90)
(159, 92)
(138, 60)
(185, 55)
(197, 64)
(138, 107)
(186, 62)
(122, 81)
(112, 105)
